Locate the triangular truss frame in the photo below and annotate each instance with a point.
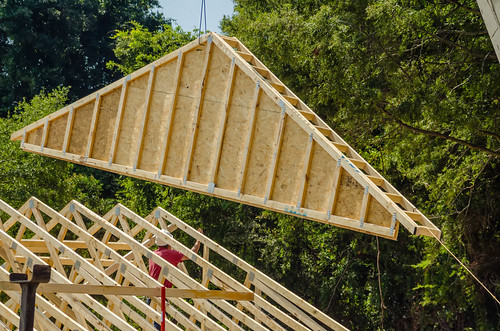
(211, 118)
(85, 248)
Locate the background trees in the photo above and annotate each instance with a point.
(62, 43)
(413, 86)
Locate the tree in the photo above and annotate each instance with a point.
(414, 86)
(46, 44)
(23, 175)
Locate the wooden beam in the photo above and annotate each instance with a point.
(364, 206)
(93, 124)
(118, 120)
(44, 134)
(248, 140)
(337, 174)
(133, 291)
(197, 114)
(222, 130)
(305, 170)
(277, 147)
(145, 113)
(170, 115)
(69, 129)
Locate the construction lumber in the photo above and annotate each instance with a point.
(109, 289)
(211, 118)
(133, 291)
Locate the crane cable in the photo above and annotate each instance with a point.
(463, 265)
(203, 14)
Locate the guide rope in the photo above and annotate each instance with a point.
(463, 265)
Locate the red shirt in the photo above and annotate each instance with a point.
(173, 257)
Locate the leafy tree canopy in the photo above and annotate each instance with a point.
(414, 86)
(62, 43)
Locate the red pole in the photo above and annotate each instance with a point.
(163, 308)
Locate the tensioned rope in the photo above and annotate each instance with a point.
(463, 265)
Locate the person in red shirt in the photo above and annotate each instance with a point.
(172, 256)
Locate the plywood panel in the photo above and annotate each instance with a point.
(378, 214)
(105, 125)
(350, 197)
(159, 108)
(35, 137)
(55, 136)
(237, 128)
(82, 116)
(209, 122)
(320, 180)
(290, 163)
(128, 135)
(261, 152)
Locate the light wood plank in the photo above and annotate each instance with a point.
(337, 174)
(197, 114)
(69, 129)
(170, 116)
(222, 130)
(118, 120)
(249, 138)
(364, 206)
(305, 171)
(44, 134)
(145, 113)
(277, 148)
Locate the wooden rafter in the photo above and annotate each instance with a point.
(119, 244)
(211, 118)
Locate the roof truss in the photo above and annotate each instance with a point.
(211, 118)
(85, 248)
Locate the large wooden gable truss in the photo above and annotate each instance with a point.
(211, 118)
(85, 248)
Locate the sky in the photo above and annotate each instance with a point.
(187, 13)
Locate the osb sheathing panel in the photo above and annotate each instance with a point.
(56, 130)
(235, 132)
(161, 100)
(105, 125)
(320, 180)
(131, 121)
(80, 132)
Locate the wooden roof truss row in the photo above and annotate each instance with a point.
(85, 248)
(211, 118)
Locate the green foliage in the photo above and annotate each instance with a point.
(46, 44)
(23, 175)
(413, 86)
(137, 46)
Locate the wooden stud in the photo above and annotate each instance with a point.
(69, 129)
(337, 174)
(277, 147)
(305, 171)
(197, 114)
(222, 130)
(170, 116)
(93, 124)
(145, 112)
(364, 206)
(44, 134)
(248, 140)
(118, 120)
